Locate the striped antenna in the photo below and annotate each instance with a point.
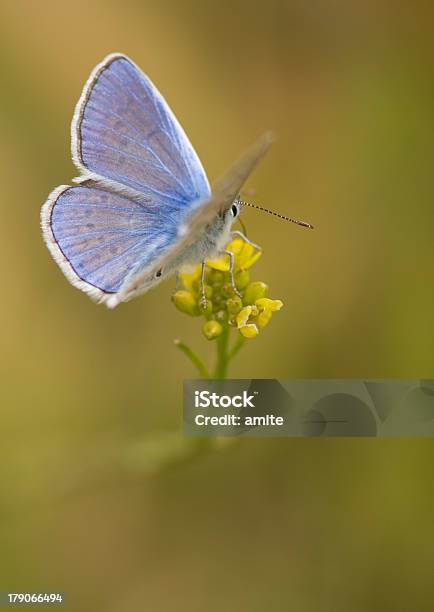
(271, 212)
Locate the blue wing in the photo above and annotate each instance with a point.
(140, 178)
(124, 131)
(98, 236)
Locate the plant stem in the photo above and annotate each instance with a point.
(222, 354)
(236, 347)
(203, 371)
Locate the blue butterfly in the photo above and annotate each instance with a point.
(142, 207)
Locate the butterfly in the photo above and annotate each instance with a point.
(142, 206)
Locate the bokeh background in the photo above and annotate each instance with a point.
(101, 497)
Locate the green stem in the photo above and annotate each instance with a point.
(236, 347)
(203, 371)
(222, 354)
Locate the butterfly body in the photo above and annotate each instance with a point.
(210, 243)
(142, 207)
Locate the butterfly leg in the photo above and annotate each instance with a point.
(231, 271)
(246, 240)
(202, 285)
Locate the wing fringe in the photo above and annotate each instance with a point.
(96, 294)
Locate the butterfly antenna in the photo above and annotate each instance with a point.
(271, 212)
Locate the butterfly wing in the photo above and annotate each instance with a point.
(140, 177)
(224, 194)
(97, 236)
(124, 134)
(143, 195)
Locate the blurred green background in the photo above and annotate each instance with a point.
(100, 496)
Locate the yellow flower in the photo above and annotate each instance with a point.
(267, 304)
(187, 278)
(233, 304)
(243, 316)
(224, 309)
(257, 314)
(245, 255)
(248, 330)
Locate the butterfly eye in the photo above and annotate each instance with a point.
(234, 210)
(159, 273)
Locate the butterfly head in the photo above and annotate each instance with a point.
(233, 212)
(222, 225)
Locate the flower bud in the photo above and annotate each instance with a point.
(228, 290)
(234, 304)
(212, 329)
(185, 302)
(218, 300)
(242, 279)
(205, 309)
(216, 277)
(255, 291)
